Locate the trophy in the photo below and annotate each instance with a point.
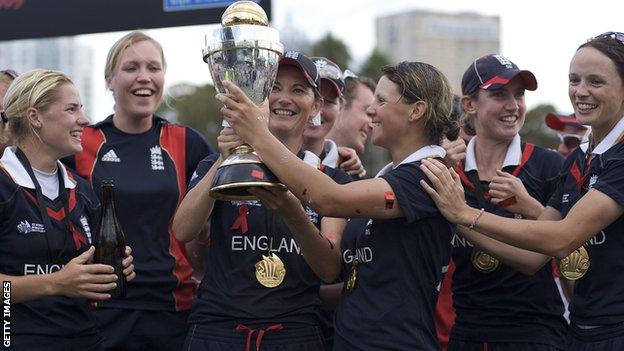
(246, 52)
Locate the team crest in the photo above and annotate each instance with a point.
(592, 181)
(156, 159)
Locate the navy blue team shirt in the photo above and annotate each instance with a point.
(401, 265)
(599, 295)
(24, 250)
(505, 305)
(241, 232)
(151, 171)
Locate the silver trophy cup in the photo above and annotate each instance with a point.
(246, 52)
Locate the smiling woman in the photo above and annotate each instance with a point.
(269, 287)
(396, 263)
(588, 200)
(511, 178)
(46, 257)
(150, 161)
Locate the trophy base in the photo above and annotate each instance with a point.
(240, 172)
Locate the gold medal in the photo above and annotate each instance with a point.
(483, 262)
(352, 276)
(270, 271)
(575, 265)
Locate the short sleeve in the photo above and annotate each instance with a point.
(553, 174)
(202, 168)
(414, 201)
(555, 198)
(611, 180)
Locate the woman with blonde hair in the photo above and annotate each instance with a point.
(48, 214)
(151, 162)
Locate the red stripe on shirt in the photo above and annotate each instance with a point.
(92, 141)
(173, 142)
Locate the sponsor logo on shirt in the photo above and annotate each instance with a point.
(156, 159)
(565, 198)
(85, 226)
(110, 156)
(592, 180)
(25, 227)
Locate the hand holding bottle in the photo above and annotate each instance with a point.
(128, 267)
(80, 279)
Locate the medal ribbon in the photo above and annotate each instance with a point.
(241, 220)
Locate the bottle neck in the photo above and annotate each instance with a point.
(108, 197)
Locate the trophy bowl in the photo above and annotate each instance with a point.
(246, 52)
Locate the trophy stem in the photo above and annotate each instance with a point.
(242, 149)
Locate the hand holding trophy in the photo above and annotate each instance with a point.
(246, 52)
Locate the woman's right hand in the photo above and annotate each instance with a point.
(447, 192)
(80, 279)
(227, 141)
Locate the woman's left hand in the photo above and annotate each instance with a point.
(447, 191)
(281, 201)
(127, 264)
(247, 119)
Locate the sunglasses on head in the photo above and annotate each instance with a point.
(619, 36)
(9, 72)
(570, 141)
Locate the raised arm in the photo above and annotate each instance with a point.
(366, 198)
(591, 214)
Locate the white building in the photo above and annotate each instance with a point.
(64, 54)
(448, 41)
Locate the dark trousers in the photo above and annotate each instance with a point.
(246, 337)
(27, 342)
(605, 338)
(142, 330)
(461, 345)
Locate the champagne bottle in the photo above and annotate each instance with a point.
(110, 244)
